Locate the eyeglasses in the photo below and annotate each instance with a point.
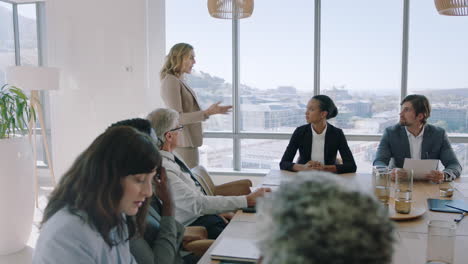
(175, 129)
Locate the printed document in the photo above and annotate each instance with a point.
(420, 167)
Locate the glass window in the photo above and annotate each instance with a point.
(262, 153)
(276, 65)
(216, 153)
(437, 65)
(211, 78)
(7, 41)
(28, 34)
(360, 69)
(361, 62)
(461, 150)
(364, 154)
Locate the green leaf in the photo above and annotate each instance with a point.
(18, 93)
(15, 111)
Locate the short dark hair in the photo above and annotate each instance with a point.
(420, 105)
(93, 183)
(326, 104)
(140, 124)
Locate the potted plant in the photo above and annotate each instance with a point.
(16, 170)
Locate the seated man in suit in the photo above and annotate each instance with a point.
(192, 205)
(414, 138)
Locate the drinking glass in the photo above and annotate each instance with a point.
(403, 190)
(381, 182)
(446, 189)
(440, 242)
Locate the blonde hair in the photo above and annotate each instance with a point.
(173, 63)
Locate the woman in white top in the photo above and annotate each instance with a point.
(89, 217)
(318, 141)
(179, 96)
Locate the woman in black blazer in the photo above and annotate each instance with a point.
(319, 109)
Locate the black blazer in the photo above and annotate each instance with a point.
(334, 141)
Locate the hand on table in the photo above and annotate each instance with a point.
(435, 176)
(252, 198)
(314, 165)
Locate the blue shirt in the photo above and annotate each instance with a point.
(66, 238)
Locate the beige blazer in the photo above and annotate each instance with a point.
(179, 96)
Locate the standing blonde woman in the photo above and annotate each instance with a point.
(179, 96)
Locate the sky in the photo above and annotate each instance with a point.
(26, 10)
(360, 49)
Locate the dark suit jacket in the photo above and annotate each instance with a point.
(162, 239)
(334, 141)
(394, 148)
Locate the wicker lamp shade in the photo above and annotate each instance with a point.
(229, 9)
(452, 7)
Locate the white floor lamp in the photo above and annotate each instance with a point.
(35, 79)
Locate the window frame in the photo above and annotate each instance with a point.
(237, 135)
(41, 57)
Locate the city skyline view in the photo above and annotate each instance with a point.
(281, 110)
(361, 45)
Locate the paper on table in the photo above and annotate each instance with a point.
(236, 249)
(420, 166)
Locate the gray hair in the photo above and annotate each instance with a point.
(162, 120)
(321, 218)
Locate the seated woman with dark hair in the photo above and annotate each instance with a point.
(318, 141)
(101, 202)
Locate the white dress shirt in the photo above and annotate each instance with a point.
(190, 202)
(318, 145)
(415, 143)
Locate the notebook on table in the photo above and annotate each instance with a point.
(236, 250)
(439, 205)
(458, 204)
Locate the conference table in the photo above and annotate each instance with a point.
(411, 234)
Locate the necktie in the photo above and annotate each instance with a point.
(184, 168)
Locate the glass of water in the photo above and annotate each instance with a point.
(440, 242)
(446, 189)
(381, 182)
(403, 190)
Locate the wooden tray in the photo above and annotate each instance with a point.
(416, 211)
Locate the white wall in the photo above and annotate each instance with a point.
(109, 53)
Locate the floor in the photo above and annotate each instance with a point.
(45, 187)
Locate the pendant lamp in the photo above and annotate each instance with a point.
(452, 7)
(229, 9)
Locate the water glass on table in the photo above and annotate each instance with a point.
(403, 190)
(440, 242)
(381, 182)
(446, 189)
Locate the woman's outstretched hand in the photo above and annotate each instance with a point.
(217, 109)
